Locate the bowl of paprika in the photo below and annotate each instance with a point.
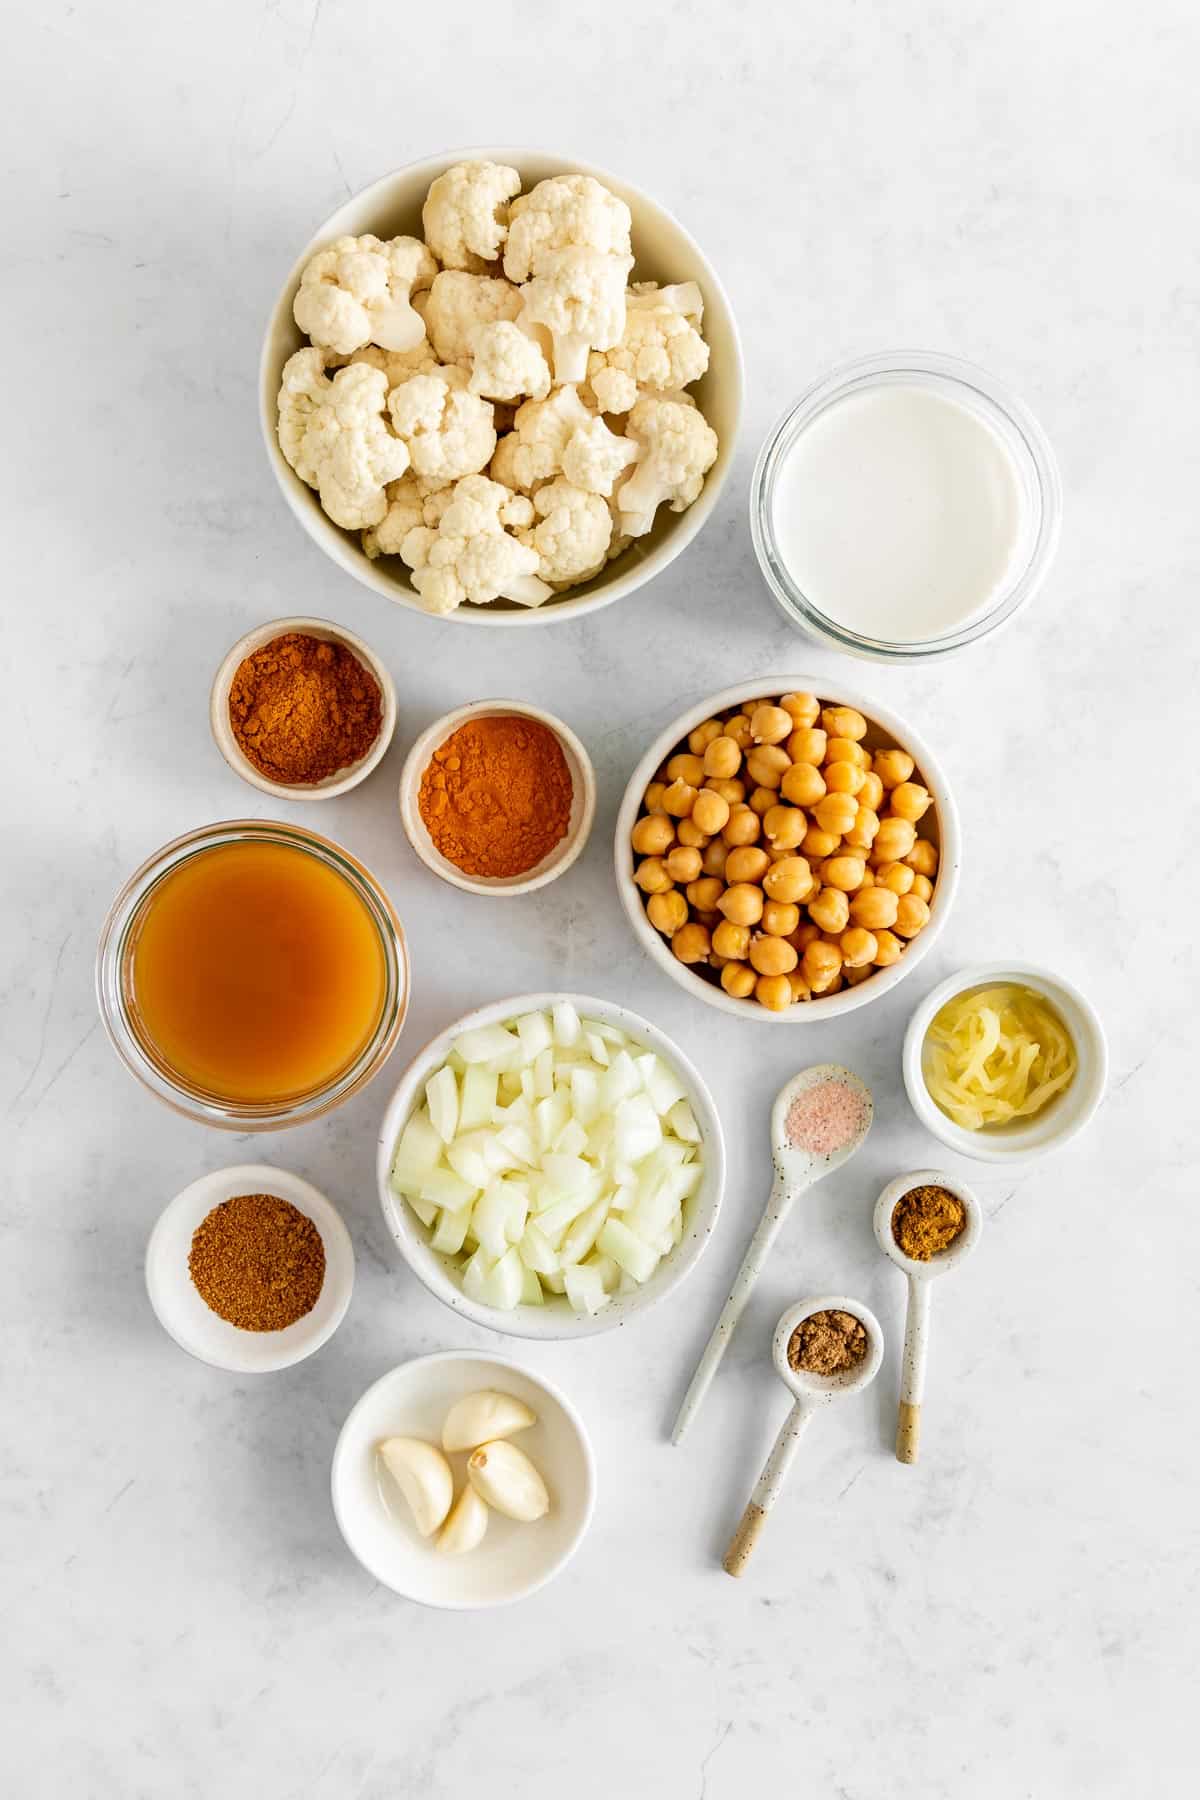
(498, 797)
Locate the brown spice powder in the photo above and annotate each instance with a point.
(926, 1221)
(301, 709)
(827, 1343)
(258, 1262)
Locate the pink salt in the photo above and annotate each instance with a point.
(825, 1118)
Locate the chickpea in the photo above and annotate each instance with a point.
(770, 724)
(690, 835)
(845, 872)
(807, 746)
(821, 965)
(771, 955)
(790, 879)
(766, 764)
(874, 908)
(785, 826)
(922, 887)
(748, 863)
(651, 876)
(679, 799)
(802, 784)
(817, 844)
(836, 813)
(863, 832)
(722, 757)
(774, 992)
(710, 812)
(652, 835)
(691, 943)
(800, 988)
(922, 859)
(667, 912)
(738, 728)
(859, 948)
(682, 864)
(843, 777)
(894, 839)
(686, 767)
(742, 826)
(731, 941)
(892, 767)
(762, 800)
(898, 877)
(709, 920)
(804, 708)
(742, 903)
(830, 910)
(732, 792)
(780, 917)
(803, 936)
(854, 976)
(716, 962)
(652, 799)
(704, 735)
(737, 978)
(705, 892)
(911, 801)
(871, 792)
(868, 879)
(847, 750)
(843, 722)
(888, 949)
(714, 857)
(912, 915)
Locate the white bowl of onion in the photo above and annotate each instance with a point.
(604, 1199)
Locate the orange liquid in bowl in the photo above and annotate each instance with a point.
(257, 973)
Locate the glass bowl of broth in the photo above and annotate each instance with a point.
(252, 975)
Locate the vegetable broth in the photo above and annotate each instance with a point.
(257, 974)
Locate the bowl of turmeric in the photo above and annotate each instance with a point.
(498, 797)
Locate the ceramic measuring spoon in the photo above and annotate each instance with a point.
(920, 1275)
(796, 1169)
(809, 1392)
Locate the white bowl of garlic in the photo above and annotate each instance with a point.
(551, 1165)
(400, 462)
(462, 1480)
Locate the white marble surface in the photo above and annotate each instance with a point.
(1016, 1616)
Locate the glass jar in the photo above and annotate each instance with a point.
(1023, 439)
(114, 984)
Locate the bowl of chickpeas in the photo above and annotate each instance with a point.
(786, 854)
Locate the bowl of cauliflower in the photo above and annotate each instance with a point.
(513, 319)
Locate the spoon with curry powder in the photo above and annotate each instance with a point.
(819, 1119)
(823, 1349)
(939, 1221)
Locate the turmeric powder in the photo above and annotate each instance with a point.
(301, 709)
(496, 797)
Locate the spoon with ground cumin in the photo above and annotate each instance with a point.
(926, 1223)
(823, 1349)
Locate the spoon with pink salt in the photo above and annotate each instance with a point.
(819, 1119)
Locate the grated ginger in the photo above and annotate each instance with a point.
(996, 1054)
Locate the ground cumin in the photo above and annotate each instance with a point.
(827, 1343)
(301, 709)
(496, 797)
(258, 1261)
(926, 1221)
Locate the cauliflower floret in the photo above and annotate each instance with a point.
(612, 389)
(459, 304)
(596, 456)
(506, 363)
(471, 556)
(659, 349)
(565, 211)
(449, 433)
(397, 365)
(335, 435)
(681, 296)
(405, 510)
(359, 291)
(678, 448)
(579, 296)
(573, 535)
(532, 452)
(466, 214)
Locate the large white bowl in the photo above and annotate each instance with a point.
(556, 1318)
(665, 252)
(513, 1559)
(886, 728)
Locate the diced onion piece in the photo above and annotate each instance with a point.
(533, 1030)
(585, 1289)
(531, 1289)
(566, 1024)
(597, 1049)
(662, 1084)
(485, 1044)
(419, 1150)
(536, 1251)
(505, 1281)
(619, 1081)
(582, 1235)
(629, 1252)
(426, 1210)
(682, 1121)
(477, 1101)
(442, 1187)
(441, 1094)
(451, 1231)
(638, 1129)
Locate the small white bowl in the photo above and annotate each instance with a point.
(227, 744)
(564, 853)
(665, 252)
(556, 1318)
(885, 728)
(514, 1559)
(1067, 1114)
(192, 1323)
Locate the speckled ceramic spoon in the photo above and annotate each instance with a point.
(796, 1169)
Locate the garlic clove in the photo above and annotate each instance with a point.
(423, 1476)
(504, 1477)
(466, 1524)
(482, 1417)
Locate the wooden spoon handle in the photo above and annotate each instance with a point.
(908, 1432)
(744, 1538)
(767, 1488)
